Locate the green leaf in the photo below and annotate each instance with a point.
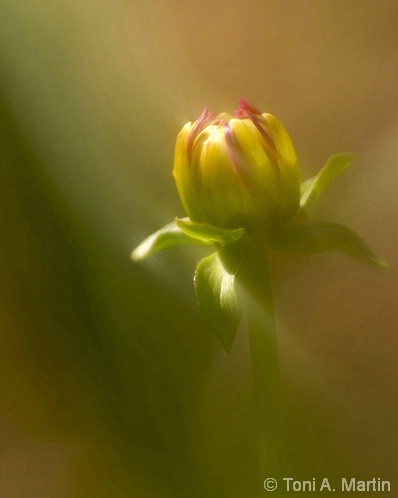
(209, 233)
(170, 235)
(313, 188)
(217, 299)
(327, 237)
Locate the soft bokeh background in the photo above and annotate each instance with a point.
(111, 385)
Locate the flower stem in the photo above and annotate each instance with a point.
(267, 388)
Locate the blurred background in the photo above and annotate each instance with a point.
(111, 385)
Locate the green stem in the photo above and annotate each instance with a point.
(256, 281)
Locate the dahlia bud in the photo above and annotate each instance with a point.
(239, 182)
(237, 170)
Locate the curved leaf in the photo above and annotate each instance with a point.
(313, 188)
(170, 235)
(327, 237)
(209, 233)
(217, 299)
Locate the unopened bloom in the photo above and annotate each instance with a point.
(238, 179)
(237, 170)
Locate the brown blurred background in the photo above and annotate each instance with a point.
(111, 385)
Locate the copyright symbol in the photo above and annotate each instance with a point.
(270, 484)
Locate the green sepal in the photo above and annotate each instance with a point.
(313, 188)
(217, 299)
(170, 235)
(209, 233)
(327, 237)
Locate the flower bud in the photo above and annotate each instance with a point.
(237, 170)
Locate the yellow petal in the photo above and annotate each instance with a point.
(288, 167)
(260, 174)
(217, 183)
(183, 177)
